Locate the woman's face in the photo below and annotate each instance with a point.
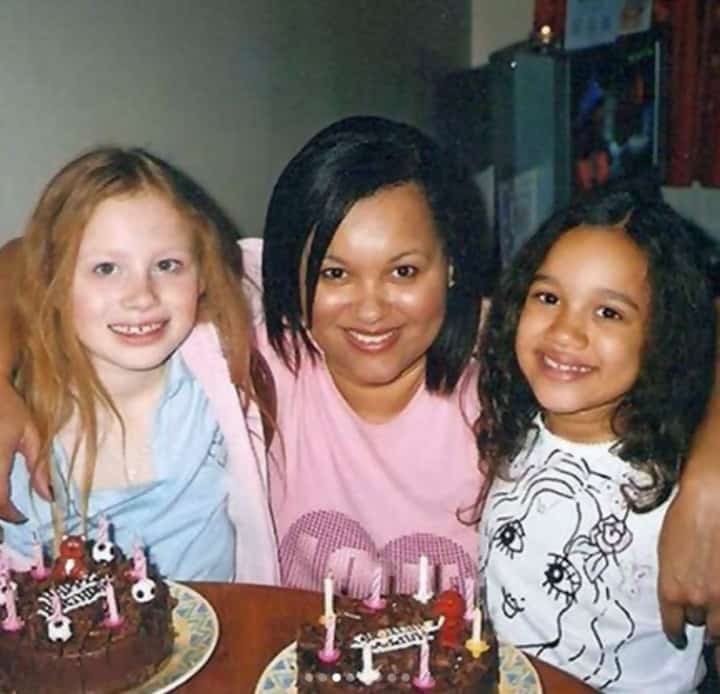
(380, 298)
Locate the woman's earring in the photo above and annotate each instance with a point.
(451, 279)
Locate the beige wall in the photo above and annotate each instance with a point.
(496, 24)
(227, 89)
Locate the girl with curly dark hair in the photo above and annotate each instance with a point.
(596, 367)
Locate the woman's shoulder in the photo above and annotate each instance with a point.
(252, 276)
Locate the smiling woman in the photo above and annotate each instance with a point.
(373, 275)
(380, 299)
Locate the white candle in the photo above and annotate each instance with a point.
(476, 624)
(423, 574)
(423, 593)
(368, 675)
(328, 589)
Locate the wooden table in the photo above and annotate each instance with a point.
(257, 622)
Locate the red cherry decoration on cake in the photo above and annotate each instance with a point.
(70, 563)
(450, 605)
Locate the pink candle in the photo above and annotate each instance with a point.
(56, 604)
(103, 529)
(329, 654)
(113, 618)
(38, 571)
(469, 599)
(139, 563)
(12, 621)
(4, 564)
(424, 680)
(374, 601)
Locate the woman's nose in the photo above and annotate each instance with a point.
(370, 303)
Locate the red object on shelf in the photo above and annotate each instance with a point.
(684, 117)
(549, 13)
(708, 155)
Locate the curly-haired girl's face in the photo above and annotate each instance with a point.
(581, 332)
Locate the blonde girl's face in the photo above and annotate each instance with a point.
(581, 333)
(136, 286)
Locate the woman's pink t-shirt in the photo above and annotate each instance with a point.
(348, 495)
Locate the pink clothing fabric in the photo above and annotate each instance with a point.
(348, 495)
(256, 549)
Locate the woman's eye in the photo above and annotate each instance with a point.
(405, 271)
(546, 298)
(333, 273)
(105, 269)
(610, 313)
(169, 265)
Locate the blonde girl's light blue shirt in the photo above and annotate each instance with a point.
(181, 516)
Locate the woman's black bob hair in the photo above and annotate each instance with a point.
(656, 419)
(346, 162)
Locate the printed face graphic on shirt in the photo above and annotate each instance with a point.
(136, 287)
(553, 541)
(581, 332)
(380, 297)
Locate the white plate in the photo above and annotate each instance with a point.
(197, 631)
(518, 676)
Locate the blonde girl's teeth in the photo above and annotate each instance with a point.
(136, 329)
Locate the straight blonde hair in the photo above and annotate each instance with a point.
(55, 375)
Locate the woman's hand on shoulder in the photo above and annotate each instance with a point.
(17, 434)
(689, 554)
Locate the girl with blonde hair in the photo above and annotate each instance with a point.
(135, 363)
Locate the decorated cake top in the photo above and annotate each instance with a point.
(85, 574)
(422, 637)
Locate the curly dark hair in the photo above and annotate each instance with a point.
(657, 417)
(348, 161)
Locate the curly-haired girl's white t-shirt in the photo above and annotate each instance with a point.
(572, 571)
(349, 495)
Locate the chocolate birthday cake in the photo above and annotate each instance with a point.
(95, 621)
(406, 645)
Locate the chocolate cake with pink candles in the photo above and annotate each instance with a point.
(398, 644)
(93, 621)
